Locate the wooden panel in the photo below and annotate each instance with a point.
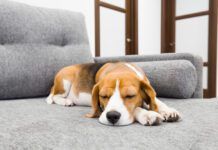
(206, 95)
(97, 28)
(212, 53)
(205, 64)
(203, 13)
(131, 27)
(134, 27)
(110, 6)
(119, 3)
(168, 26)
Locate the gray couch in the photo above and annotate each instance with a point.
(35, 43)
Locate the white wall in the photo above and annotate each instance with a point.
(112, 32)
(84, 6)
(149, 26)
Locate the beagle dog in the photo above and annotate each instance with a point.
(119, 93)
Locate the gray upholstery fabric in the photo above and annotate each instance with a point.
(21, 23)
(32, 124)
(195, 60)
(172, 78)
(34, 44)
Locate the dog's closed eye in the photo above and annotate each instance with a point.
(104, 96)
(130, 96)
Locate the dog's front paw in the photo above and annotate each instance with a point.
(170, 114)
(148, 118)
(69, 103)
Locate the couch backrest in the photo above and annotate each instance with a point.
(34, 44)
(21, 23)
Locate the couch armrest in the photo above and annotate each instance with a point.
(195, 60)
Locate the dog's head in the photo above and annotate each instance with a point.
(116, 96)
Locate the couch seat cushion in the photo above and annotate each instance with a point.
(32, 124)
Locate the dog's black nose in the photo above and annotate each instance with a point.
(113, 116)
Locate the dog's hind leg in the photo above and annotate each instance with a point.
(60, 91)
(60, 96)
(49, 99)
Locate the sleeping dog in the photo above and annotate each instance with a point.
(119, 93)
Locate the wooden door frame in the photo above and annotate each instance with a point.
(131, 15)
(212, 53)
(132, 27)
(168, 26)
(168, 32)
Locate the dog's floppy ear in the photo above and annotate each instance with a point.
(96, 110)
(149, 95)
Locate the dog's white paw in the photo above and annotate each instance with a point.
(68, 102)
(49, 100)
(170, 114)
(149, 118)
